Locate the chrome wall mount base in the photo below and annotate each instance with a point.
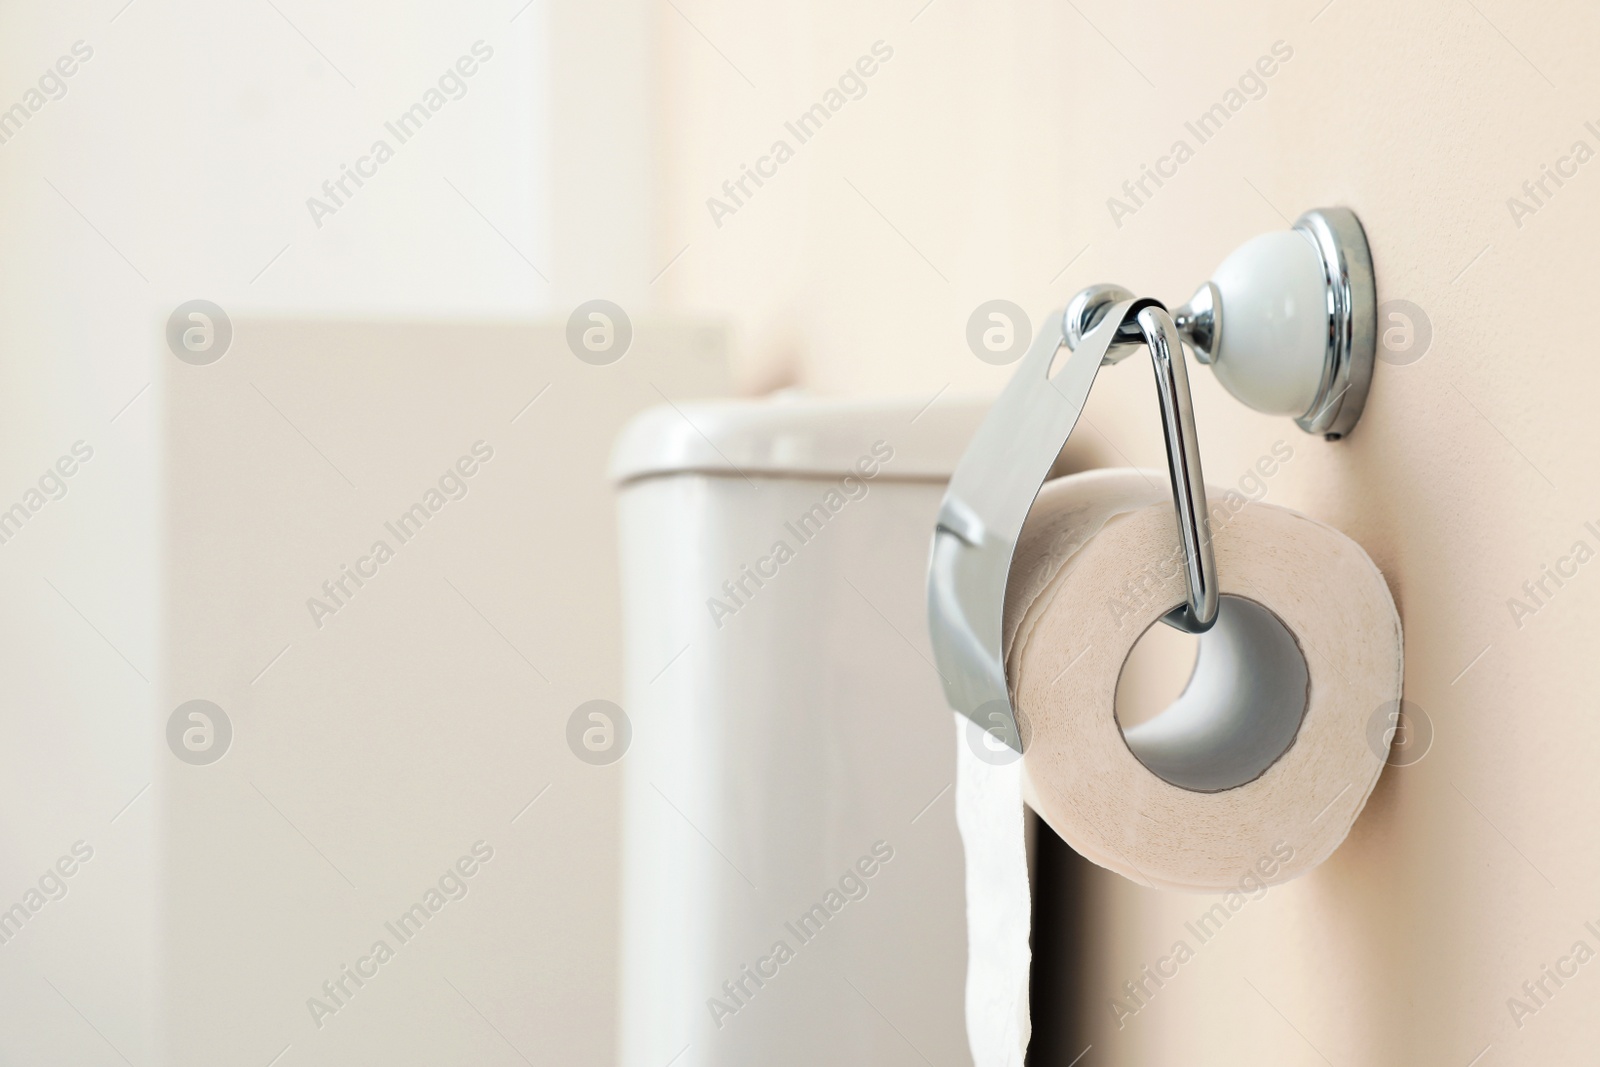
(1288, 323)
(1352, 317)
(1302, 322)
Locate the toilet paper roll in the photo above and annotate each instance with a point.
(1256, 772)
(1264, 762)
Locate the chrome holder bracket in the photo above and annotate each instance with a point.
(995, 484)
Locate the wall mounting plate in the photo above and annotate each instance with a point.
(1352, 318)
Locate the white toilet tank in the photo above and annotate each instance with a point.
(792, 875)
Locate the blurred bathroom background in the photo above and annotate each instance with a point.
(391, 318)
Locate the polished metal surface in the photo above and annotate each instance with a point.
(1200, 321)
(1088, 308)
(1183, 464)
(1352, 311)
(995, 484)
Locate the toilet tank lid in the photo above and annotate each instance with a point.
(795, 435)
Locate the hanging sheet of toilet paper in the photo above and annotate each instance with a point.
(1098, 562)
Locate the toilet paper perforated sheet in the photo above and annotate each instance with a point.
(1097, 564)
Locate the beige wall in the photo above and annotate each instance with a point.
(978, 165)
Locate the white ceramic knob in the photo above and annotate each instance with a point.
(1272, 346)
(1288, 322)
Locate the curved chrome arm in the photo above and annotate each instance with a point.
(1183, 464)
(999, 476)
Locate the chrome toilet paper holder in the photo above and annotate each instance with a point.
(1288, 323)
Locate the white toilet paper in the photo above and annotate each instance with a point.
(999, 910)
(1254, 774)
